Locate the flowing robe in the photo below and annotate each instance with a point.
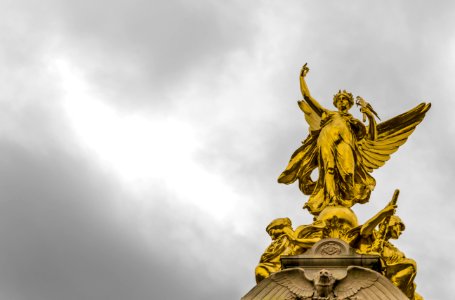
(333, 149)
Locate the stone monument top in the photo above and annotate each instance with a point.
(327, 258)
(330, 270)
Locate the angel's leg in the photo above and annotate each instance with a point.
(346, 165)
(328, 159)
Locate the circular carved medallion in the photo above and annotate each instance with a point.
(330, 249)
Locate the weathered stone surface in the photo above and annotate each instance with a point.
(330, 270)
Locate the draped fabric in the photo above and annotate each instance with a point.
(344, 155)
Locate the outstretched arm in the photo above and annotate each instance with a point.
(370, 225)
(306, 92)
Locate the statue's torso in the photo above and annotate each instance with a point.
(335, 128)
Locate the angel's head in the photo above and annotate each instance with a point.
(343, 100)
(275, 228)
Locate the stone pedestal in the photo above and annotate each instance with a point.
(330, 270)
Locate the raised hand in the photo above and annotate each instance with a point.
(366, 108)
(389, 210)
(304, 70)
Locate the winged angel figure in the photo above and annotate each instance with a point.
(343, 149)
(296, 284)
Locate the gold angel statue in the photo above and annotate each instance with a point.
(343, 149)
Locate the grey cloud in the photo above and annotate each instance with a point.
(61, 239)
(134, 52)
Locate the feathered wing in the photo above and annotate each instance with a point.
(312, 117)
(284, 285)
(367, 284)
(391, 135)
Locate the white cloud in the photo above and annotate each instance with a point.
(142, 151)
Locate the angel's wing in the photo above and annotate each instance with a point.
(313, 118)
(288, 284)
(367, 284)
(391, 135)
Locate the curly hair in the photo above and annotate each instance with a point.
(343, 93)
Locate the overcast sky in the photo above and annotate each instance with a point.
(141, 141)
